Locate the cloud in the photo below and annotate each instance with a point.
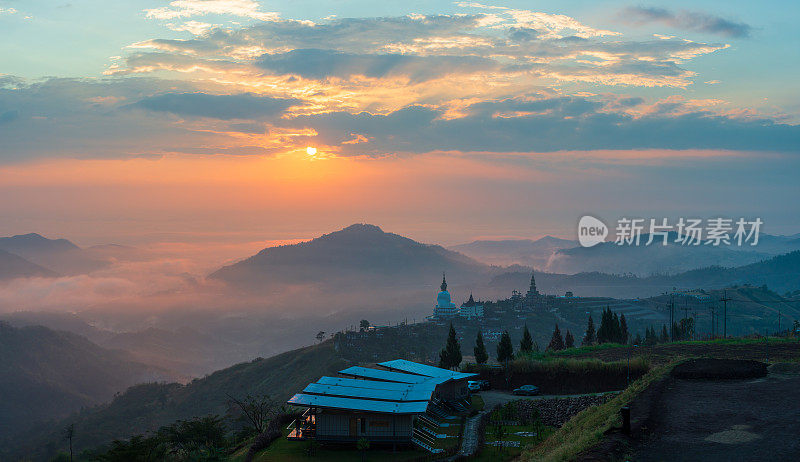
(551, 124)
(225, 107)
(189, 8)
(686, 20)
(321, 64)
(512, 49)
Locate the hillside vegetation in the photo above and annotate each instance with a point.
(145, 408)
(47, 374)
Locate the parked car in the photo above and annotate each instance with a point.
(485, 385)
(474, 386)
(527, 390)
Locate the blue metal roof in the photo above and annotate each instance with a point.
(375, 384)
(410, 394)
(377, 374)
(369, 405)
(411, 367)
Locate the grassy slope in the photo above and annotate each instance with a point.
(588, 427)
(147, 407)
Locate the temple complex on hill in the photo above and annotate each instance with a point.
(445, 308)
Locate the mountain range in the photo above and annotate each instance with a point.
(43, 257)
(780, 273)
(556, 255)
(47, 374)
(525, 252)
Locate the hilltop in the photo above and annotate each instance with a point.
(360, 254)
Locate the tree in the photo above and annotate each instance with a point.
(69, 433)
(481, 356)
(556, 342)
(589, 338)
(363, 447)
(686, 328)
(450, 356)
(623, 330)
(569, 340)
(363, 325)
(205, 435)
(650, 337)
(610, 330)
(638, 339)
(505, 350)
(664, 334)
(526, 344)
(320, 336)
(257, 411)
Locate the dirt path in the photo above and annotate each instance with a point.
(743, 420)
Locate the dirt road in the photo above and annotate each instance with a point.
(742, 420)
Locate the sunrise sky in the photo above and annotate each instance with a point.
(140, 122)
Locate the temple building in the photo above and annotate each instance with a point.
(444, 307)
(471, 309)
(532, 297)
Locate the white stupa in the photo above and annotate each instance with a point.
(444, 307)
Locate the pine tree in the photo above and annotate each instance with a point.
(650, 337)
(569, 341)
(638, 339)
(589, 338)
(623, 330)
(480, 350)
(526, 344)
(557, 342)
(605, 333)
(664, 334)
(616, 332)
(505, 350)
(450, 356)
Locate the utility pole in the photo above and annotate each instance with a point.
(725, 300)
(672, 316)
(712, 322)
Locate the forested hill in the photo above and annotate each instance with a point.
(147, 407)
(47, 374)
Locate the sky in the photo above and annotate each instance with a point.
(191, 121)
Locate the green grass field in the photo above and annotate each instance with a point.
(491, 453)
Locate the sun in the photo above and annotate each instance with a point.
(311, 151)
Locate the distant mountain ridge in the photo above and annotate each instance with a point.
(780, 273)
(360, 253)
(62, 257)
(527, 252)
(556, 255)
(47, 374)
(13, 266)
